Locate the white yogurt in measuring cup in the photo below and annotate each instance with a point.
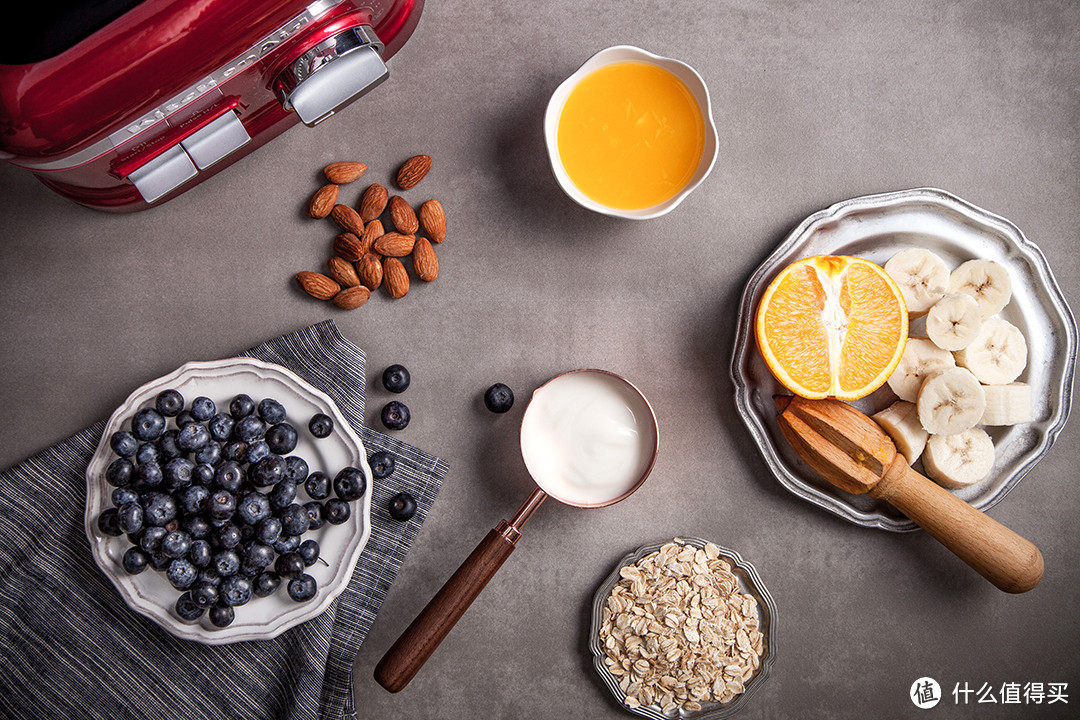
(588, 437)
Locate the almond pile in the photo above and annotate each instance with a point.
(377, 236)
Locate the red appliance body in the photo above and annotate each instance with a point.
(172, 92)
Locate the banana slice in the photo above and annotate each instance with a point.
(921, 357)
(901, 421)
(986, 281)
(954, 321)
(956, 461)
(950, 401)
(997, 355)
(922, 276)
(1007, 404)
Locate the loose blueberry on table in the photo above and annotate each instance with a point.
(212, 502)
(499, 398)
(396, 378)
(402, 506)
(395, 415)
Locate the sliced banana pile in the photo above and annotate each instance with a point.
(963, 374)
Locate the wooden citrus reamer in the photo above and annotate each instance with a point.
(853, 453)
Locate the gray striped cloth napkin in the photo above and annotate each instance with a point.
(70, 646)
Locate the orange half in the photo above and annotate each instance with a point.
(832, 326)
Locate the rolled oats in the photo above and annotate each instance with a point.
(676, 631)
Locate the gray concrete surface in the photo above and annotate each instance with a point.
(815, 102)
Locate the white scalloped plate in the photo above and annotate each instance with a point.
(149, 593)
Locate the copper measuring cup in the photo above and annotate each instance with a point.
(409, 653)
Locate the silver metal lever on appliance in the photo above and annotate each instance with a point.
(332, 74)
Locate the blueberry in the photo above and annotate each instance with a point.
(296, 469)
(396, 378)
(177, 473)
(192, 500)
(204, 594)
(395, 415)
(314, 513)
(210, 454)
(268, 471)
(294, 520)
(176, 544)
(253, 507)
(193, 437)
(268, 530)
(222, 505)
(321, 425)
(159, 509)
(281, 438)
(249, 429)
(181, 574)
(150, 538)
(302, 588)
(309, 551)
(286, 543)
(196, 526)
(247, 533)
(150, 475)
(119, 472)
(256, 451)
(382, 464)
(159, 560)
(135, 560)
(230, 476)
(226, 562)
(187, 609)
(200, 554)
(235, 590)
(203, 408)
(402, 506)
(202, 474)
(221, 615)
(210, 576)
(148, 452)
(350, 483)
(227, 536)
(166, 445)
(123, 495)
(499, 398)
(317, 485)
(184, 419)
(123, 443)
(241, 406)
(221, 426)
(289, 565)
(235, 451)
(130, 517)
(283, 494)
(336, 511)
(258, 555)
(265, 583)
(271, 411)
(147, 424)
(169, 403)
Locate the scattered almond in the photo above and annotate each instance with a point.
(372, 232)
(322, 202)
(369, 270)
(347, 219)
(394, 244)
(349, 247)
(317, 285)
(412, 171)
(342, 271)
(433, 220)
(424, 261)
(373, 202)
(344, 172)
(352, 297)
(403, 215)
(395, 277)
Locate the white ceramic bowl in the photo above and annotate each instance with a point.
(628, 53)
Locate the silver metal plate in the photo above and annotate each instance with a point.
(875, 227)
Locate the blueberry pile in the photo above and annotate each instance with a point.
(212, 500)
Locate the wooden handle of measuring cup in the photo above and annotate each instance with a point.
(406, 656)
(1006, 559)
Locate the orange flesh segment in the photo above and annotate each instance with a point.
(795, 312)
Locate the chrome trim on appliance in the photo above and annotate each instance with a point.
(215, 141)
(163, 174)
(158, 115)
